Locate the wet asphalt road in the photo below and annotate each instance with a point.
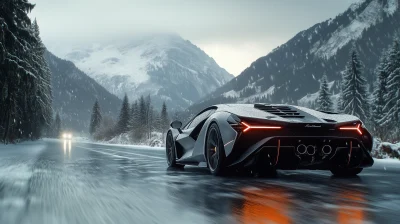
(51, 182)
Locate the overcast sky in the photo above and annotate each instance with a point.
(233, 32)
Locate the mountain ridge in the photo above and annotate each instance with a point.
(292, 71)
(74, 94)
(165, 66)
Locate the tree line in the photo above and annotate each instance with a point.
(379, 109)
(25, 78)
(139, 120)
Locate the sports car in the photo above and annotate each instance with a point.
(266, 137)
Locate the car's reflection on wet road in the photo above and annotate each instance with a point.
(69, 182)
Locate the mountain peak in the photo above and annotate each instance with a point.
(150, 63)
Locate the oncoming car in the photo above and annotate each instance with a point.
(67, 136)
(265, 137)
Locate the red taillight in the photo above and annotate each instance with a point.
(248, 127)
(355, 128)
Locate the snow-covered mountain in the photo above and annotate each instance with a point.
(74, 94)
(291, 72)
(166, 66)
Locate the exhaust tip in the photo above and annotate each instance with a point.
(310, 150)
(327, 149)
(301, 149)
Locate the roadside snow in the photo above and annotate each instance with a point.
(154, 143)
(385, 150)
(125, 145)
(388, 160)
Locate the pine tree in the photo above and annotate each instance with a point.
(355, 94)
(379, 100)
(42, 94)
(57, 126)
(324, 102)
(391, 109)
(95, 119)
(164, 118)
(25, 102)
(134, 115)
(124, 117)
(339, 106)
(148, 116)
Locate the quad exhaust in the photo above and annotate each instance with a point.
(310, 150)
(326, 149)
(301, 149)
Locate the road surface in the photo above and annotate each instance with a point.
(50, 181)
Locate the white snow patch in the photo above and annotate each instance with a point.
(251, 99)
(308, 100)
(356, 4)
(370, 16)
(125, 142)
(231, 93)
(391, 7)
(388, 160)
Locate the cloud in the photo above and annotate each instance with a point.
(234, 32)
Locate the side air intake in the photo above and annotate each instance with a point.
(282, 111)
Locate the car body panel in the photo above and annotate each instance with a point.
(277, 148)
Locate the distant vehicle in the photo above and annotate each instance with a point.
(265, 137)
(67, 136)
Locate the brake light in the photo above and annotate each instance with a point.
(355, 128)
(248, 127)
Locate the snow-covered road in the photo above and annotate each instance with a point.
(51, 182)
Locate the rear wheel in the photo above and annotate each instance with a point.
(343, 172)
(170, 152)
(215, 153)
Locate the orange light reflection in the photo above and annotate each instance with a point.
(269, 205)
(351, 207)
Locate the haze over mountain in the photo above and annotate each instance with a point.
(74, 94)
(165, 66)
(291, 72)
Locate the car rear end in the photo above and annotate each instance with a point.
(296, 141)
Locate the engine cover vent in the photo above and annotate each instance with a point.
(282, 111)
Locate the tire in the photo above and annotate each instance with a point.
(170, 152)
(215, 152)
(343, 172)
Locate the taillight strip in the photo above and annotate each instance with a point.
(248, 127)
(357, 128)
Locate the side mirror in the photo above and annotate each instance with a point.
(176, 125)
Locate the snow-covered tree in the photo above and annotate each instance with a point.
(164, 118)
(135, 123)
(324, 101)
(25, 100)
(124, 117)
(106, 129)
(339, 106)
(391, 109)
(95, 119)
(354, 88)
(379, 100)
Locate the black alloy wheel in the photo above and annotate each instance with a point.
(170, 152)
(215, 153)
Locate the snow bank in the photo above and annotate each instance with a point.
(156, 142)
(385, 150)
